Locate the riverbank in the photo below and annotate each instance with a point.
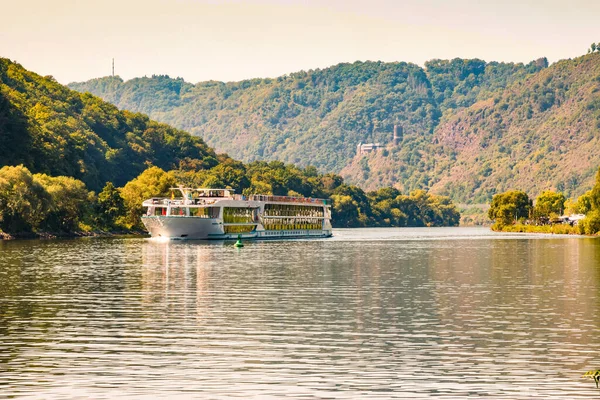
(557, 229)
(68, 235)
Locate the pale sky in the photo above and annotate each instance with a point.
(230, 40)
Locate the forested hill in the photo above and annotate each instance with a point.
(54, 130)
(58, 148)
(315, 117)
(539, 133)
(471, 128)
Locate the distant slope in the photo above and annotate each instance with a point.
(471, 128)
(52, 129)
(539, 133)
(314, 117)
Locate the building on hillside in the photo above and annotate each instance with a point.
(365, 148)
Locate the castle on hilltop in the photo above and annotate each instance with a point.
(366, 148)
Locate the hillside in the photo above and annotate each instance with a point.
(315, 117)
(539, 133)
(542, 133)
(54, 130)
(470, 128)
(60, 147)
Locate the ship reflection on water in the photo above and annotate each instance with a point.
(369, 313)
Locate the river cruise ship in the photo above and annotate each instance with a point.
(221, 214)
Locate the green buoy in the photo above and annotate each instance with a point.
(239, 242)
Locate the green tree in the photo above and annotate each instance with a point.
(591, 201)
(345, 210)
(509, 206)
(549, 204)
(152, 182)
(584, 203)
(445, 212)
(590, 225)
(69, 202)
(595, 193)
(359, 199)
(110, 206)
(24, 203)
(54, 130)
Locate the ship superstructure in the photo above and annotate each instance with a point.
(220, 214)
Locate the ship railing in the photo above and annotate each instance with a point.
(283, 199)
(180, 202)
(254, 197)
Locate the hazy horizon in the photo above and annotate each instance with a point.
(232, 40)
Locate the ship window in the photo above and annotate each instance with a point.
(293, 210)
(239, 228)
(199, 212)
(204, 212)
(238, 215)
(180, 211)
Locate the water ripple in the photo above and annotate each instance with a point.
(371, 314)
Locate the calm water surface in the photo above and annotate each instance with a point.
(370, 313)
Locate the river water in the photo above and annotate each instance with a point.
(369, 313)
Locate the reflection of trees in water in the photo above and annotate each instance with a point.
(23, 278)
(298, 282)
(43, 285)
(511, 294)
(388, 287)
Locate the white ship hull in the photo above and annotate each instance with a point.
(190, 228)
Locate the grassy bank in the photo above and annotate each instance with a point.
(557, 229)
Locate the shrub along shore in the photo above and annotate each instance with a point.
(556, 229)
(514, 211)
(42, 206)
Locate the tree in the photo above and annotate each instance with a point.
(24, 202)
(549, 204)
(584, 203)
(595, 193)
(509, 206)
(152, 182)
(359, 198)
(590, 225)
(69, 202)
(51, 129)
(541, 62)
(345, 211)
(593, 47)
(110, 206)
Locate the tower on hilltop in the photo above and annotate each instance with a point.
(397, 135)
